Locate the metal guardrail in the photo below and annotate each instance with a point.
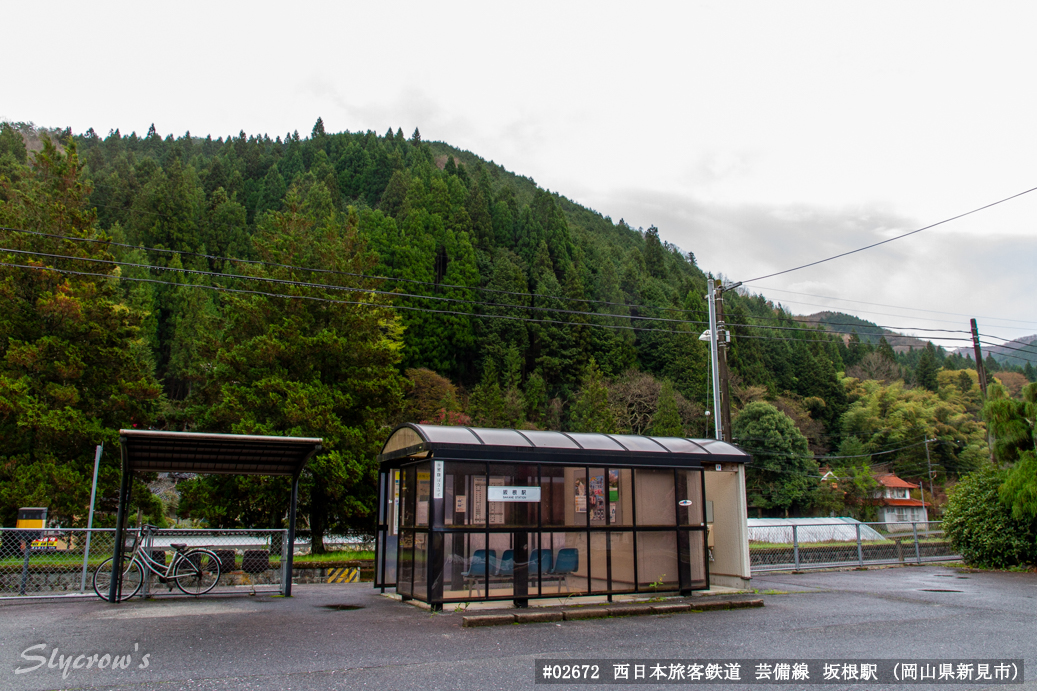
(796, 547)
(60, 562)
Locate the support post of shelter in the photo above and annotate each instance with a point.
(114, 590)
(290, 556)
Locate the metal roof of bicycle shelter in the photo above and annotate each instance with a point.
(227, 454)
(413, 441)
(224, 454)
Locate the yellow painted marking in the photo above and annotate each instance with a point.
(343, 575)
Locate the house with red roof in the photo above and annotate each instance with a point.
(894, 501)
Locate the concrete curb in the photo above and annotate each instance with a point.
(584, 613)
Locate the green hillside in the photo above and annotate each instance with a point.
(337, 284)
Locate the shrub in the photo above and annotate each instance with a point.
(981, 528)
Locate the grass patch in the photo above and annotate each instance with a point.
(341, 555)
(39, 559)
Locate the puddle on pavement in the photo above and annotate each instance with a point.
(342, 608)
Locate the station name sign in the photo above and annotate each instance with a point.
(514, 493)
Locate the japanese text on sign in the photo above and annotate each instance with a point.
(514, 494)
(777, 672)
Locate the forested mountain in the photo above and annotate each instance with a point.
(336, 284)
(868, 332)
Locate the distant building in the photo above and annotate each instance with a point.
(895, 504)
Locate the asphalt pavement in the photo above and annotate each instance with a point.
(349, 637)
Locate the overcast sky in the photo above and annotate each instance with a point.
(759, 136)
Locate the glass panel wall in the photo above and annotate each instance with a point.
(407, 496)
(691, 510)
(599, 561)
(655, 497)
(406, 571)
(620, 497)
(693, 559)
(424, 494)
(421, 564)
(597, 489)
(657, 560)
(464, 494)
(467, 566)
(388, 527)
(568, 572)
(519, 514)
(594, 530)
(622, 560)
(563, 496)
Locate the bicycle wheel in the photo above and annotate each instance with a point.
(197, 572)
(132, 577)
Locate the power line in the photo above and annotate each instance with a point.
(1032, 345)
(898, 237)
(899, 307)
(825, 458)
(340, 302)
(326, 286)
(370, 304)
(343, 273)
(822, 458)
(436, 285)
(883, 314)
(836, 333)
(1018, 357)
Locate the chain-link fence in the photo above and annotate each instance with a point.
(61, 562)
(820, 545)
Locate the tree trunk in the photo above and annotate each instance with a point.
(318, 519)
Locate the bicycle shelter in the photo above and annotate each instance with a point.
(468, 514)
(225, 454)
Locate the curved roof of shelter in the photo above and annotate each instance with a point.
(475, 443)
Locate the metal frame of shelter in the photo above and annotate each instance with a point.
(547, 458)
(223, 454)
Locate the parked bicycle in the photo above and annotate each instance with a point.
(195, 571)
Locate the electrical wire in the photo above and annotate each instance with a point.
(824, 458)
(437, 298)
(899, 307)
(341, 302)
(326, 286)
(460, 287)
(429, 297)
(340, 273)
(898, 237)
(1004, 347)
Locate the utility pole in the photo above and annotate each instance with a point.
(982, 372)
(929, 462)
(980, 369)
(711, 296)
(723, 340)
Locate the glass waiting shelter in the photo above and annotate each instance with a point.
(471, 514)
